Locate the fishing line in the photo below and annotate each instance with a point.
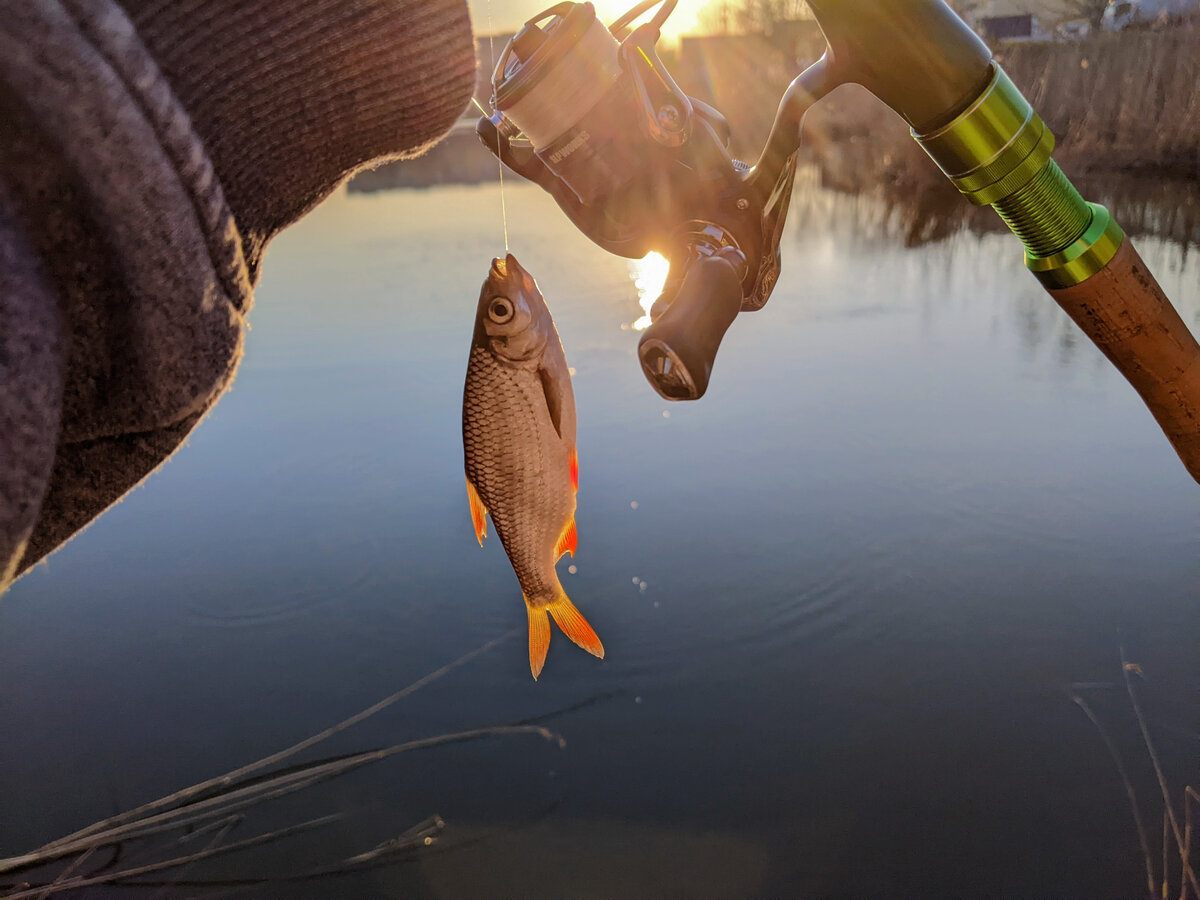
(499, 162)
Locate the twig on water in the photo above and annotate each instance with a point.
(1190, 797)
(211, 805)
(133, 872)
(420, 835)
(1151, 887)
(229, 777)
(222, 827)
(1166, 870)
(67, 873)
(1127, 668)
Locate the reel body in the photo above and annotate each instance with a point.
(638, 165)
(593, 116)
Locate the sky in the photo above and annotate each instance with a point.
(508, 15)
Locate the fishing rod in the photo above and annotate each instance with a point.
(591, 114)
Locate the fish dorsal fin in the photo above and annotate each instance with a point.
(567, 541)
(574, 463)
(478, 512)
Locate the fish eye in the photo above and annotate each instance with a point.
(500, 310)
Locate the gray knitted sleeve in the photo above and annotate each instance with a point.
(149, 151)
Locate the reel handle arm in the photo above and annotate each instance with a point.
(678, 350)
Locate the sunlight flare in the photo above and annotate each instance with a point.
(649, 274)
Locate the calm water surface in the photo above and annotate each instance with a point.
(844, 596)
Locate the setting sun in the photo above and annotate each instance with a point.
(682, 21)
(504, 16)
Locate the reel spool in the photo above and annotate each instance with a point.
(593, 116)
(560, 85)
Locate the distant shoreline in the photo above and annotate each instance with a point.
(1117, 103)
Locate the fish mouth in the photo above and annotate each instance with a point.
(505, 268)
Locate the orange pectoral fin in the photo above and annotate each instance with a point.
(575, 469)
(478, 513)
(574, 626)
(568, 541)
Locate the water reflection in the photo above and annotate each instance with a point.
(968, 256)
(649, 274)
(919, 206)
(911, 506)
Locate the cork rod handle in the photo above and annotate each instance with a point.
(1127, 315)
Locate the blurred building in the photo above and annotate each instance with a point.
(1122, 14)
(1029, 20)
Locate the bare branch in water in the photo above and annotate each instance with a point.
(125, 874)
(271, 788)
(1126, 668)
(1190, 797)
(420, 835)
(210, 807)
(222, 827)
(1151, 886)
(1166, 834)
(67, 872)
(229, 777)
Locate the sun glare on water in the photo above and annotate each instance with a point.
(649, 274)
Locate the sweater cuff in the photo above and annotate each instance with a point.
(291, 98)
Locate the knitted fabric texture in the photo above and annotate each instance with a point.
(149, 153)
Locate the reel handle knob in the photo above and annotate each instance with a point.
(677, 351)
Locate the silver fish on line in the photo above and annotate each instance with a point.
(519, 448)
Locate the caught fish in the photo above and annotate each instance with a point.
(519, 445)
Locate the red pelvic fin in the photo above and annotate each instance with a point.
(567, 541)
(478, 512)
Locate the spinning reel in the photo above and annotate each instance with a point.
(638, 165)
(593, 116)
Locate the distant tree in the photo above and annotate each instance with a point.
(716, 17)
(750, 16)
(764, 16)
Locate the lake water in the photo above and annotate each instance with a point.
(845, 597)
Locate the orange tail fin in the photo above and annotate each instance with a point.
(575, 626)
(539, 637)
(569, 619)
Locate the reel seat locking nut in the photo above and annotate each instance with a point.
(997, 152)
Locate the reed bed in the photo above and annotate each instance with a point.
(212, 810)
(1176, 859)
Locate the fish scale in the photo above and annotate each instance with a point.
(519, 448)
(508, 440)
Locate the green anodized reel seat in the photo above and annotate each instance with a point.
(997, 153)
